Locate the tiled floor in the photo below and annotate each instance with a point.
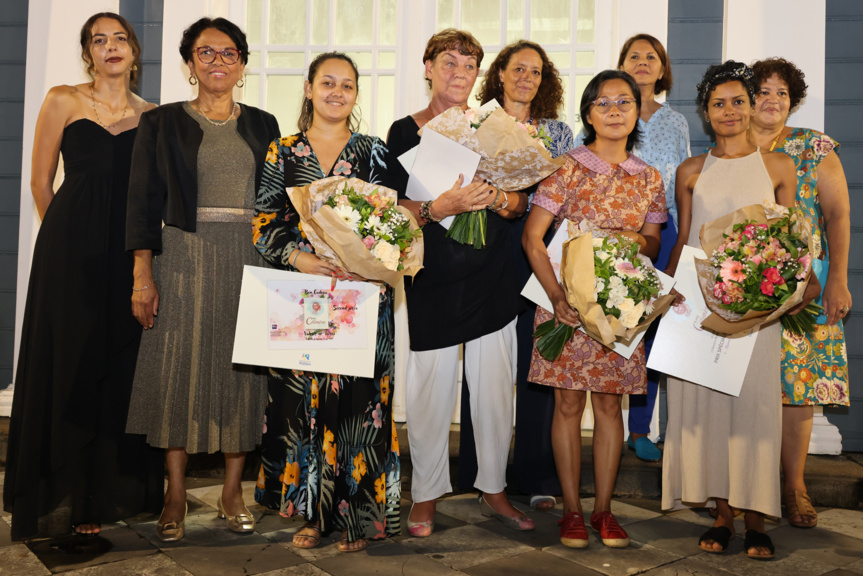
(464, 542)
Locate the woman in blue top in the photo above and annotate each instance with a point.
(526, 83)
(664, 144)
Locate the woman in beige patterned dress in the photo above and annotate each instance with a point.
(718, 448)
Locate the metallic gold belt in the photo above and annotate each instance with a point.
(242, 215)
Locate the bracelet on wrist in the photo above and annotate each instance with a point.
(504, 205)
(297, 255)
(496, 198)
(142, 289)
(425, 212)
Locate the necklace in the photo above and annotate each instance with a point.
(213, 122)
(776, 140)
(96, 112)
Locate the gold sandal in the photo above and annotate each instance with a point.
(797, 503)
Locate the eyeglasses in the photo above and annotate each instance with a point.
(604, 105)
(207, 55)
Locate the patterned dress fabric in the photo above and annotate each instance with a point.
(664, 144)
(614, 197)
(330, 450)
(814, 365)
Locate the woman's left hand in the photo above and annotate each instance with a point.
(836, 301)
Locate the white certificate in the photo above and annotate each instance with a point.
(437, 166)
(534, 291)
(685, 350)
(293, 320)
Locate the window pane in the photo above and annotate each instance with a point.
(482, 19)
(560, 60)
(387, 22)
(584, 60)
(487, 59)
(252, 90)
(286, 60)
(284, 96)
(581, 81)
(386, 59)
(364, 100)
(514, 20)
(363, 60)
(320, 21)
(563, 113)
(354, 21)
(549, 21)
(254, 60)
(287, 22)
(585, 30)
(253, 21)
(445, 14)
(386, 105)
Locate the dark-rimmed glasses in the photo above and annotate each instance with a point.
(604, 105)
(207, 55)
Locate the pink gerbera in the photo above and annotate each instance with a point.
(732, 271)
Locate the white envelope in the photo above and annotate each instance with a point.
(436, 167)
(685, 350)
(252, 337)
(534, 291)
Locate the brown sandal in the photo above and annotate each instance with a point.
(355, 546)
(797, 503)
(307, 537)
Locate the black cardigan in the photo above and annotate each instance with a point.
(163, 184)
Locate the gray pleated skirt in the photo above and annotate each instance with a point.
(187, 393)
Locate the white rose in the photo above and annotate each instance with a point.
(597, 242)
(388, 254)
(349, 216)
(629, 319)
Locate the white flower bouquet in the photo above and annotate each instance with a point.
(360, 228)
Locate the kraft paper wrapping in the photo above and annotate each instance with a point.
(724, 321)
(511, 158)
(578, 279)
(337, 243)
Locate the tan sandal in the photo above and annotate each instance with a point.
(355, 546)
(797, 503)
(310, 535)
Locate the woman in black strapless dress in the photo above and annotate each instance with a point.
(68, 452)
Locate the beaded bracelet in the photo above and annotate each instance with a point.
(491, 206)
(425, 212)
(504, 205)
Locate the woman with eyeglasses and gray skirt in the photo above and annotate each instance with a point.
(195, 168)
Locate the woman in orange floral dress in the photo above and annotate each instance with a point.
(604, 183)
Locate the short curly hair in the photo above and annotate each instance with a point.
(452, 39)
(787, 72)
(663, 84)
(718, 74)
(549, 97)
(194, 31)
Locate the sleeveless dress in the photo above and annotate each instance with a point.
(716, 445)
(187, 392)
(67, 446)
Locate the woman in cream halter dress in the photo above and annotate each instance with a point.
(719, 449)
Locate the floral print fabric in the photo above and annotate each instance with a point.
(815, 365)
(329, 450)
(614, 197)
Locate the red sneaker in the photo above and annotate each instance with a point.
(573, 533)
(609, 530)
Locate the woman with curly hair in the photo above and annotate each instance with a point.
(814, 365)
(722, 450)
(526, 83)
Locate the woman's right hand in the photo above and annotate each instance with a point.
(475, 196)
(145, 304)
(563, 311)
(309, 263)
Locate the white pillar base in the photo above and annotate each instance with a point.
(6, 401)
(825, 438)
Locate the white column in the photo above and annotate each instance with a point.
(53, 57)
(755, 30)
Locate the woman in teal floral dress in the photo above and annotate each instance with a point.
(815, 365)
(329, 449)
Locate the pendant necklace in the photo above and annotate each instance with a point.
(96, 111)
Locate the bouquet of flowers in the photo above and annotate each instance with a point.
(513, 156)
(759, 265)
(614, 288)
(360, 228)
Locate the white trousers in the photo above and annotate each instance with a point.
(430, 396)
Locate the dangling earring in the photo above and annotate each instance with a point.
(241, 82)
(134, 68)
(191, 78)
